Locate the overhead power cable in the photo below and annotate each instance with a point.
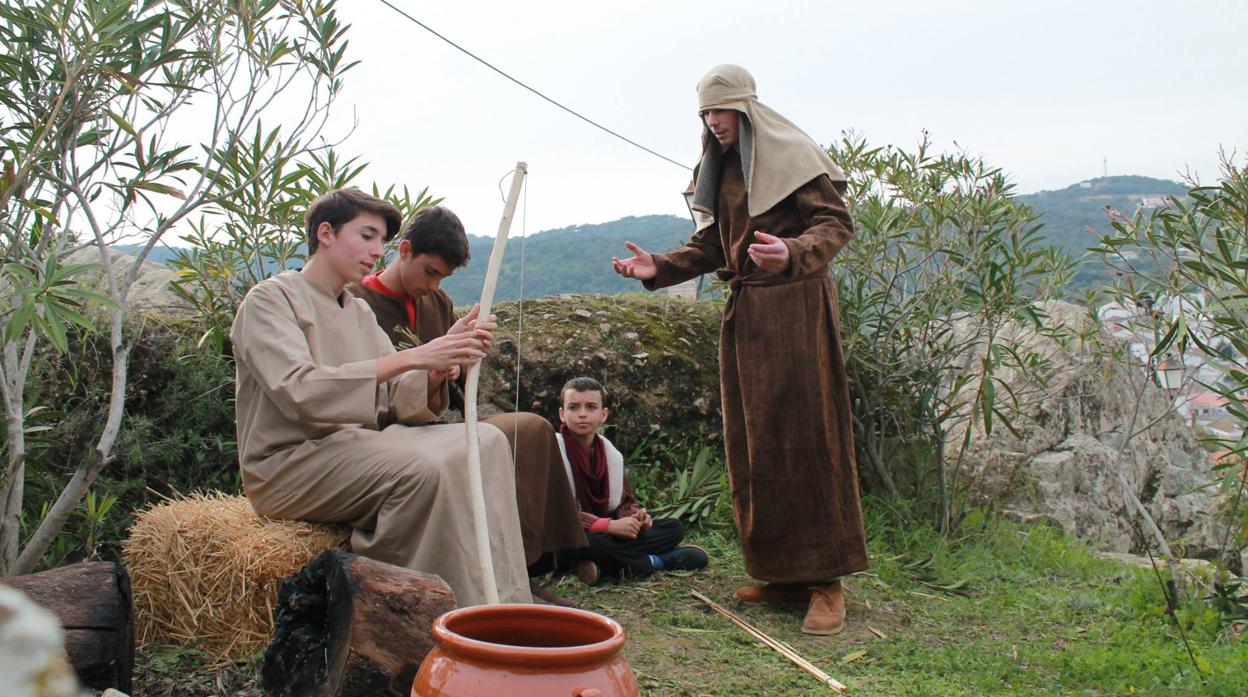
(487, 64)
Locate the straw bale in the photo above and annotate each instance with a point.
(205, 570)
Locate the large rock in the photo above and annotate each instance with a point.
(152, 289)
(658, 357)
(1095, 413)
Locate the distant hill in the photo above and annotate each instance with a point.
(573, 259)
(159, 255)
(1074, 217)
(577, 259)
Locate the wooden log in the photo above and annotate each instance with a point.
(93, 603)
(349, 625)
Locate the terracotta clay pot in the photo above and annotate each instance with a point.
(525, 651)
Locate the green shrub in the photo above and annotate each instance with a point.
(684, 479)
(178, 434)
(942, 259)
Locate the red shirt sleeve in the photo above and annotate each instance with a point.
(592, 523)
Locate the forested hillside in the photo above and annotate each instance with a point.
(577, 259)
(573, 259)
(1074, 218)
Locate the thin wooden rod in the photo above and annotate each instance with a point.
(780, 647)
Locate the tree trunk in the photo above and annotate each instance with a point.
(12, 483)
(65, 504)
(348, 625)
(92, 601)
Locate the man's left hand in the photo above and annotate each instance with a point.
(644, 518)
(769, 252)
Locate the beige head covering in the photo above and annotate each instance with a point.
(777, 158)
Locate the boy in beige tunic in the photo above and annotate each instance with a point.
(770, 219)
(329, 414)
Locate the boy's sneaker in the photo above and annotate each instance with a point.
(685, 558)
(588, 572)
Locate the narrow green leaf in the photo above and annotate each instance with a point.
(122, 123)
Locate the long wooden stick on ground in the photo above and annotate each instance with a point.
(780, 647)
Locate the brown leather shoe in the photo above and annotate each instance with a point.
(826, 613)
(774, 593)
(543, 596)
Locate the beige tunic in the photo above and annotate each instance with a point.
(319, 439)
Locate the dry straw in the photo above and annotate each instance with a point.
(205, 571)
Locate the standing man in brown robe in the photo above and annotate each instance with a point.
(334, 425)
(411, 308)
(770, 219)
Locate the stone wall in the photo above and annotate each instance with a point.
(657, 356)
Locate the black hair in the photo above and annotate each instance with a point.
(437, 231)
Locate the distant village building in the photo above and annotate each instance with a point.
(1226, 429)
(1185, 377)
(687, 290)
(1206, 405)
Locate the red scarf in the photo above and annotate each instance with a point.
(589, 470)
(373, 282)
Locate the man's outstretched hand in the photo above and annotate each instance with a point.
(640, 266)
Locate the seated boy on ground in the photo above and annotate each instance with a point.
(623, 538)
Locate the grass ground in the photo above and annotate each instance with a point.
(1002, 610)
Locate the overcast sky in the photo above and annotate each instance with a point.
(1043, 89)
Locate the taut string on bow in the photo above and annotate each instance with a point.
(476, 490)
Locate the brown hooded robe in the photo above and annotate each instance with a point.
(787, 431)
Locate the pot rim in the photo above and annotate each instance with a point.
(454, 642)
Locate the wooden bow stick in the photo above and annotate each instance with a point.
(780, 647)
(476, 490)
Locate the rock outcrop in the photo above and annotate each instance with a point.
(152, 289)
(658, 356)
(1096, 413)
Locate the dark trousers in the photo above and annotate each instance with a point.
(616, 555)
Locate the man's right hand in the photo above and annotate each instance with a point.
(624, 527)
(640, 266)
